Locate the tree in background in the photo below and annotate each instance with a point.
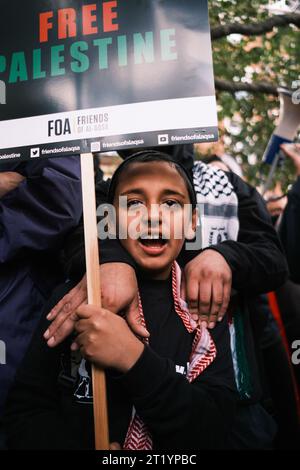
(254, 53)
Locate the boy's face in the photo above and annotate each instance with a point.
(155, 218)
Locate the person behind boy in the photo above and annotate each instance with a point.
(40, 203)
(176, 391)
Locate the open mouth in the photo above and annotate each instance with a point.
(153, 241)
(154, 244)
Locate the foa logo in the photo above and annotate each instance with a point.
(2, 92)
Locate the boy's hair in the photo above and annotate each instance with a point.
(147, 156)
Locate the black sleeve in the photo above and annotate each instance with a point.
(256, 259)
(183, 415)
(39, 213)
(34, 418)
(289, 231)
(110, 251)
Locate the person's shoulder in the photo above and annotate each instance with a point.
(241, 187)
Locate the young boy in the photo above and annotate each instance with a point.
(177, 391)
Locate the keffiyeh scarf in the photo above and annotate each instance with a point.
(202, 355)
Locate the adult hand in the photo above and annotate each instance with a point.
(9, 180)
(206, 287)
(105, 339)
(119, 292)
(63, 316)
(293, 152)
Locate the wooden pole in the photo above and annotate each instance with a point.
(94, 292)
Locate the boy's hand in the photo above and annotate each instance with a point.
(105, 339)
(115, 446)
(9, 180)
(207, 287)
(119, 293)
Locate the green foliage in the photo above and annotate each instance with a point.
(273, 57)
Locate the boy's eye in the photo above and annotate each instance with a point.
(134, 203)
(170, 203)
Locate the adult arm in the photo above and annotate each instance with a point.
(37, 215)
(256, 259)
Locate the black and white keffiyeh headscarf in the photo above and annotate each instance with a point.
(218, 204)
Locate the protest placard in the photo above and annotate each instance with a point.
(94, 76)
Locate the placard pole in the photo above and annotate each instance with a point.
(94, 293)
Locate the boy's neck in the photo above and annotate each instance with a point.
(156, 275)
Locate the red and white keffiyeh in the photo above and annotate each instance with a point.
(202, 355)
